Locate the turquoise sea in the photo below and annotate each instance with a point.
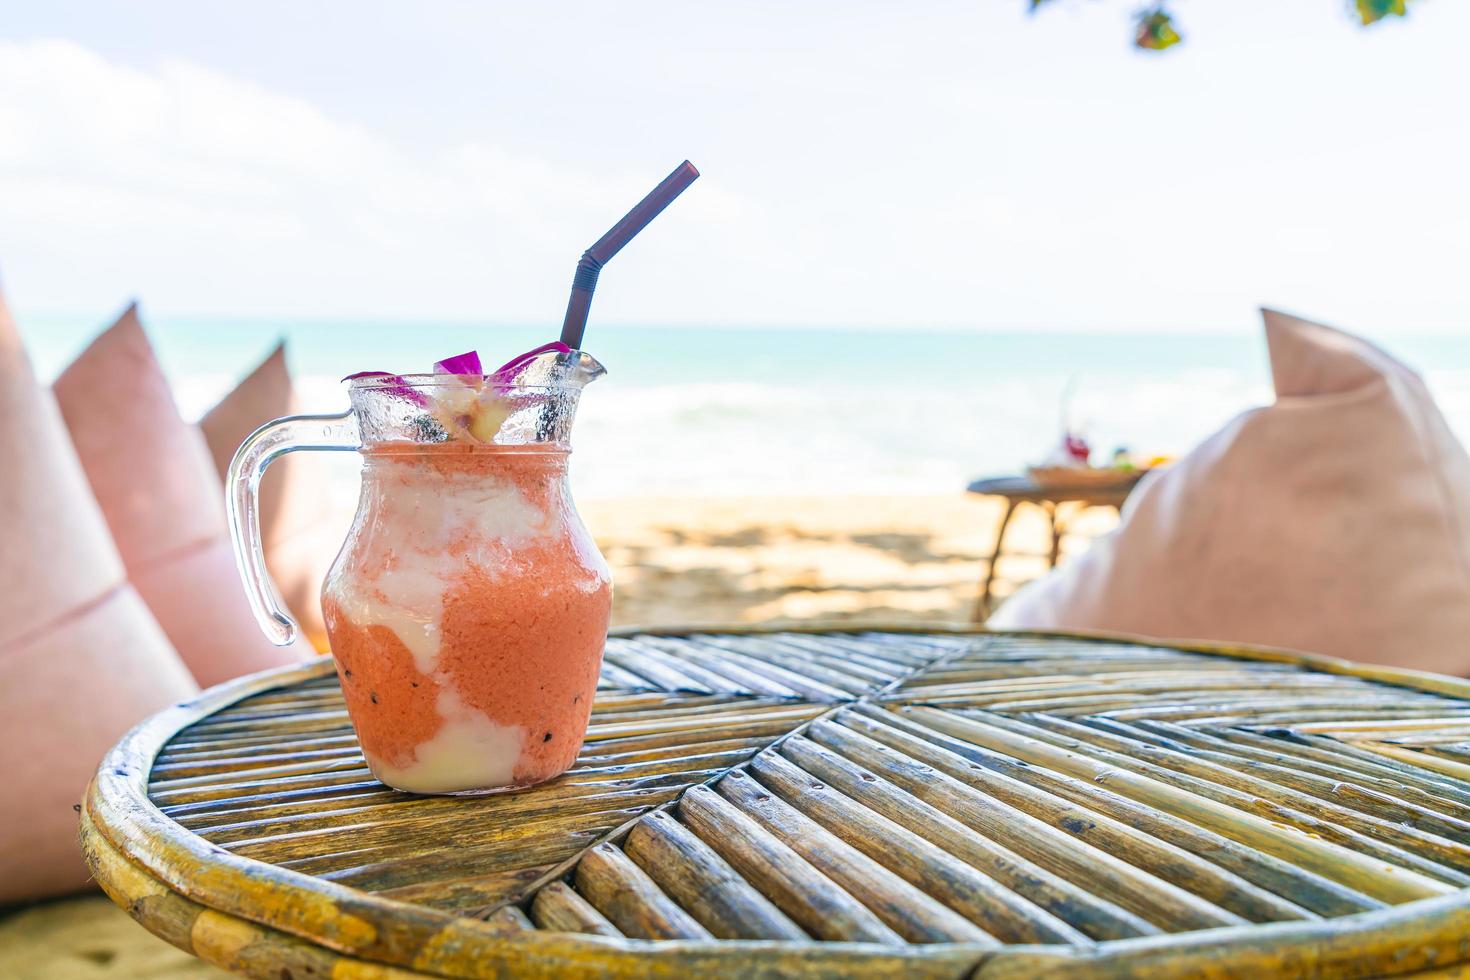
(727, 411)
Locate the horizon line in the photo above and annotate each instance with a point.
(1211, 328)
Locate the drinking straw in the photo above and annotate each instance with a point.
(592, 261)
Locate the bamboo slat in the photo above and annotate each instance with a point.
(825, 802)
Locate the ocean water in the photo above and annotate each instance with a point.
(737, 411)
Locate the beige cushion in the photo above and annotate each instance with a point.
(1336, 520)
(81, 658)
(154, 479)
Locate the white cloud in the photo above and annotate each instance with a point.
(959, 164)
(223, 195)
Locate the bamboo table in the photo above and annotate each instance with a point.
(929, 804)
(1018, 490)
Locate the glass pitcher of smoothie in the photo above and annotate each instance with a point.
(468, 606)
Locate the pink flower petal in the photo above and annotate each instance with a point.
(507, 373)
(466, 363)
(398, 386)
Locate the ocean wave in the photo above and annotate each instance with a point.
(921, 436)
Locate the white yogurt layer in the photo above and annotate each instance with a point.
(417, 542)
(469, 752)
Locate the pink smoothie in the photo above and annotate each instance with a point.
(467, 613)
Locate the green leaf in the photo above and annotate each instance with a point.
(1372, 11)
(1156, 30)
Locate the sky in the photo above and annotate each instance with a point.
(950, 164)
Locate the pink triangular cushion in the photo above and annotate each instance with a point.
(1335, 521)
(1311, 359)
(153, 476)
(81, 658)
(151, 472)
(56, 553)
(301, 530)
(264, 394)
(65, 698)
(199, 601)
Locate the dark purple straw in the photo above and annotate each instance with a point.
(585, 281)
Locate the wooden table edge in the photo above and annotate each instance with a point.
(128, 840)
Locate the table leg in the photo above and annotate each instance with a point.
(982, 603)
(1053, 513)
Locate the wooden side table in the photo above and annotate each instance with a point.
(1019, 490)
(920, 803)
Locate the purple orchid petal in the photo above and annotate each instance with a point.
(507, 373)
(397, 386)
(466, 363)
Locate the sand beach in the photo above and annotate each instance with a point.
(846, 558)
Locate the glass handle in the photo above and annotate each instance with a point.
(242, 505)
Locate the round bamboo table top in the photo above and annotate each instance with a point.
(830, 803)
